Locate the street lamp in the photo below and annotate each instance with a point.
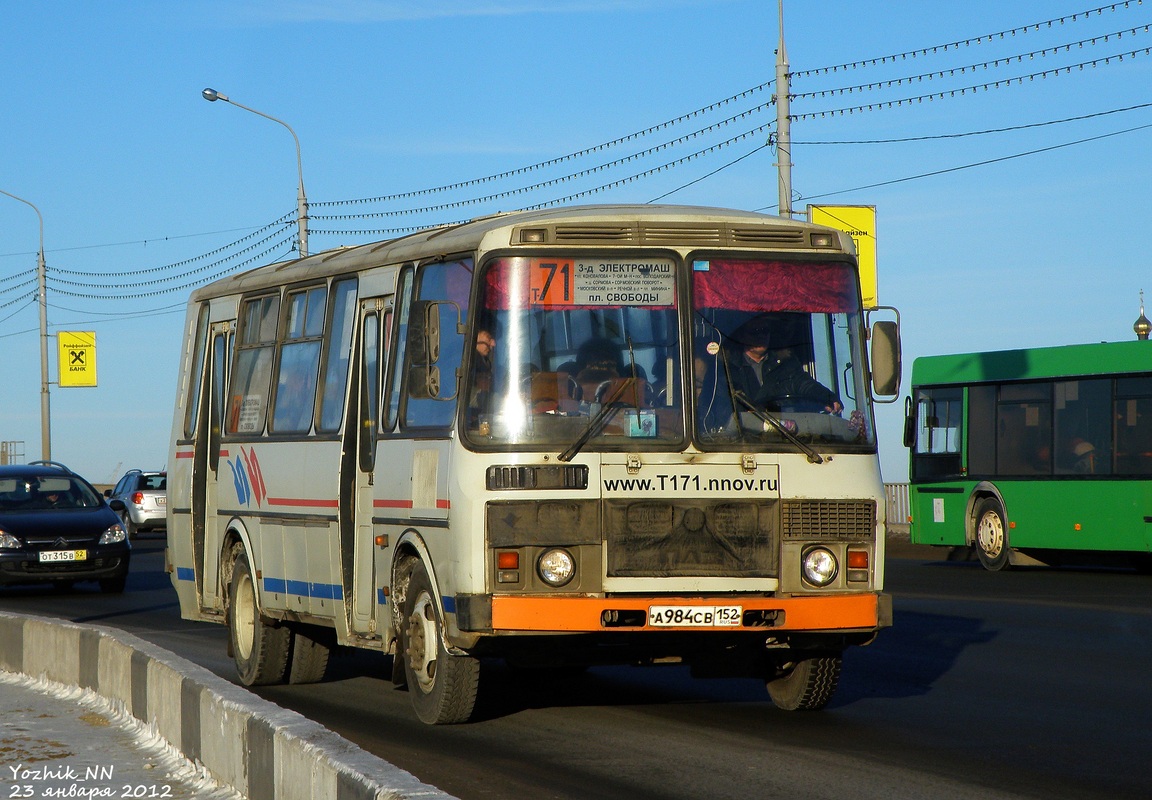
(211, 95)
(42, 291)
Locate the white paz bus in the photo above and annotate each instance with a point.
(597, 435)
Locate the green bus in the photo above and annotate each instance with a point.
(1033, 455)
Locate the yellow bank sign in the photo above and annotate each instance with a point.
(859, 222)
(77, 352)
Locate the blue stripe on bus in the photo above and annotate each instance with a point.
(324, 591)
(185, 574)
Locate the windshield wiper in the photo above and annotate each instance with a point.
(777, 424)
(600, 419)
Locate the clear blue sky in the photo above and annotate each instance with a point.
(1026, 234)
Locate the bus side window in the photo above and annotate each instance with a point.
(338, 350)
(1024, 429)
(1132, 412)
(251, 378)
(299, 360)
(400, 339)
(939, 430)
(195, 375)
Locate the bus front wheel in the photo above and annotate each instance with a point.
(991, 535)
(806, 684)
(443, 686)
(260, 650)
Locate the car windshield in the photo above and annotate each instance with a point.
(20, 493)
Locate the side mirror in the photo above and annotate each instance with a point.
(424, 381)
(885, 358)
(424, 332)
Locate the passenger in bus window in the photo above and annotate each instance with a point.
(480, 393)
(772, 378)
(1084, 456)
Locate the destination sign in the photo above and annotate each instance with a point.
(603, 282)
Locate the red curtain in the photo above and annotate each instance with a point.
(774, 286)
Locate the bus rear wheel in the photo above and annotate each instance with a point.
(807, 684)
(260, 650)
(991, 535)
(443, 686)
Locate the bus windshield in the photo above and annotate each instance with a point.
(777, 354)
(588, 350)
(571, 349)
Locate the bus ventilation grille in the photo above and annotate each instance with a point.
(835, 519)
(569, 476)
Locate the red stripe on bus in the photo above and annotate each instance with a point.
(302, 502)
(444, 504)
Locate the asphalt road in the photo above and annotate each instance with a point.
(1028, 683)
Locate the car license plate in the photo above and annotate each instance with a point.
(695, 616)
(160, 501)
(63, 555)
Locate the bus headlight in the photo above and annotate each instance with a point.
(819, 566)
(556, 566)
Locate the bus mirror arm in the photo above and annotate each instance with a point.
(909, 423)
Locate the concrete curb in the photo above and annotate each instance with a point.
(257, 748)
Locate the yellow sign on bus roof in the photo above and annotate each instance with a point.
(859, 222)
(77, 354)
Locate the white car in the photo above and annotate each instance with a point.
(145, 499)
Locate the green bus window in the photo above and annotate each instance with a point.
(939, 433)
(1083, 435)
(1131, 413)
(1024, 429)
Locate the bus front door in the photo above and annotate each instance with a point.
(357, 467)
(206, 465)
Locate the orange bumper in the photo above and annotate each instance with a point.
(572, 614)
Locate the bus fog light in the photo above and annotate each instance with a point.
(820, 566)
(556, 566)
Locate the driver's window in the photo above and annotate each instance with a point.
(442, 289)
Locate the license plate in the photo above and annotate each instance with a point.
(695, 616)
(63, 555)
(160, 501)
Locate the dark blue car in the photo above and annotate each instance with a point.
(56, 528)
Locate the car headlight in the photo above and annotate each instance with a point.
(820, 566)
(9, 542)
(556, 566)
(114, 533)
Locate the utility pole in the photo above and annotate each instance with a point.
(783, 124)
(42, 299)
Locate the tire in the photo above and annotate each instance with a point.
(991, 535)
(808, 684)
(443, 686)
(259, 650)
(129, 525)
(311, 648)
(114, 585)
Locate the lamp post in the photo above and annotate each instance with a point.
(42, 292)
(211, 95)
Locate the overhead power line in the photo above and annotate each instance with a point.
(975, 40)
